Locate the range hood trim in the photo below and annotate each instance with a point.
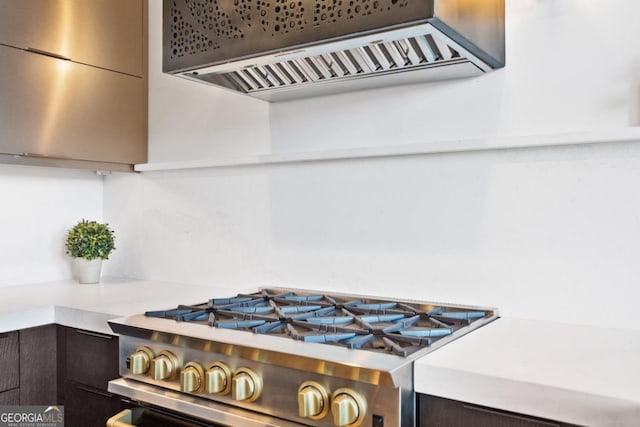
(300, 52)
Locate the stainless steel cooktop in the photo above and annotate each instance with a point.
(295, 356)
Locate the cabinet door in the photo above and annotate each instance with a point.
(439, 412)
(38, 362)
(92, 358)
(56, 108)
(9, 361)
(88, 407)
(103, 33)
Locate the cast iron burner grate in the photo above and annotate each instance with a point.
(399, 328)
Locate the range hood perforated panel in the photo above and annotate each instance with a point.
(277, 50)
(209, 31)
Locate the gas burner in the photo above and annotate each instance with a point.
(393, 327)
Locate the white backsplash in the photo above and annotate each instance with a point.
(39, 206)
(539, 233)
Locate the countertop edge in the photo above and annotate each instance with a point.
(89, 307)
(538, 400)
(27, 318)
(65, 316)
(570, 373)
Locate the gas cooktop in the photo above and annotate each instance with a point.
(386, 326)
(296, 357)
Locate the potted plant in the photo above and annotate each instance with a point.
(89, 242)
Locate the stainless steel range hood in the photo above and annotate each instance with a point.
(284, 49)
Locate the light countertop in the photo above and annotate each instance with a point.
(89, 306)
(575, 374)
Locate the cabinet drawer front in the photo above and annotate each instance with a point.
(9, 361)
(104, 33)
(62, 109)
(91, 358)
(440, 412)
(88, 407)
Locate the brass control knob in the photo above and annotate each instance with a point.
(192, 378)
(313, 400)
(246, 385)
(218, 379)
(164, 366)
(140, 361)
(348, 408)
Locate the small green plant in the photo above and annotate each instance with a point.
(90, 240)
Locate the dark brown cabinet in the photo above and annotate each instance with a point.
(29, 366)
(9, 362)
(54, 364)
(91, 361)
(438, 412)
(91, 358)
(88, 407)
(10, 397)
(9, 368)
(39, 365)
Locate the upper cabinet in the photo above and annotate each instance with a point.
(74, 83)
(66, 110)
(102, 33)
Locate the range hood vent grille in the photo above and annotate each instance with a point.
(290, 49)
(385, 57)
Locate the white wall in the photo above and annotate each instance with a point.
(535, 232)
(571, 66)
(189, 120)
(540, 233)
(39, 205)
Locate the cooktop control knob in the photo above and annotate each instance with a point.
(164, 366)
(218, 379)
(348, 408)
(192, 378)
(313, 400)
(246, 385)
(140, 361)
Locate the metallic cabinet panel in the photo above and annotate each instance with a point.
(57, 108)
(104, 33)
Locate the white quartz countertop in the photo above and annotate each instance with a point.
(89, 306)
(576, 374)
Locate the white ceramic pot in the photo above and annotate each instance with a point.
(88, 271)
